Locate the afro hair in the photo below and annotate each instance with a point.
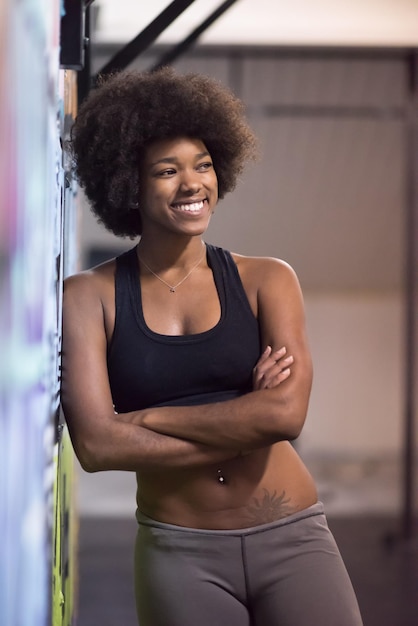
(129, 110)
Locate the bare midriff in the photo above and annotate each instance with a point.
(257, 488)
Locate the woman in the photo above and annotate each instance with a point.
(190, 365)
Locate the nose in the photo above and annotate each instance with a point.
(190, 181)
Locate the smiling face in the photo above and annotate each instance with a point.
(179, 187)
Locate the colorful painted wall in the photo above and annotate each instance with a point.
(36, 233)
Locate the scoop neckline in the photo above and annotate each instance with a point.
(218, 278)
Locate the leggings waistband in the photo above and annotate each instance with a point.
(314, 509)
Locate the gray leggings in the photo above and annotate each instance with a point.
(285, 573)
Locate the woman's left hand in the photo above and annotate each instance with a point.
(271, 369)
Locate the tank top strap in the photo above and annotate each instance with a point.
(223, 264)
(125, 276)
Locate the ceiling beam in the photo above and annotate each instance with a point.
(145, 38)
(174, 53)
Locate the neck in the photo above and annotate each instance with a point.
(169, 269)
(170, 253)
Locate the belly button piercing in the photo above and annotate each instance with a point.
(221, 477)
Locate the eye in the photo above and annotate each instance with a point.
(167, 172)
(203, 167)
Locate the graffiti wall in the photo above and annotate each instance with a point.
(35, 455)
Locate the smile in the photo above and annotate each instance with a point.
(193, 207)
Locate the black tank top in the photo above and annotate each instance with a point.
(149, 369)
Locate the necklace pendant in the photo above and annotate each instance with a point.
(172, 290)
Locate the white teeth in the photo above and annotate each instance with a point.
(195, 206)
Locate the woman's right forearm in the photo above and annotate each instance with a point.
(123, 445)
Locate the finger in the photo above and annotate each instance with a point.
(265, 355)
(274, 381)
(272, 376)
(266, 361)
(272, 368)
(258, 368)
(279, 354)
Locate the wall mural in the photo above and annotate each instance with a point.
(36, 523)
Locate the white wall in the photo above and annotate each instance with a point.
(356, 402)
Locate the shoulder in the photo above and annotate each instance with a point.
(89, 285)
(94, 276)
(268, 282)
(262, 272)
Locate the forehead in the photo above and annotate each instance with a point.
(174, 148)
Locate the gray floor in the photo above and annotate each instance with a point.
(363, 504)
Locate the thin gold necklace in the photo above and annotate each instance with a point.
(173, 288)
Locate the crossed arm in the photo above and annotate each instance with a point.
(185, 436)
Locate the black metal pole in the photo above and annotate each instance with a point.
(411, 296)
(146, 37)
(170, 56)
(84, 75)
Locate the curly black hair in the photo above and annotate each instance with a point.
(130, 109)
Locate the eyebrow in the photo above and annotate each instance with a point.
(173, 159)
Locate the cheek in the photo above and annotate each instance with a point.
(156, 194)
(164, 187)
(213, 181)
(216, 187)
